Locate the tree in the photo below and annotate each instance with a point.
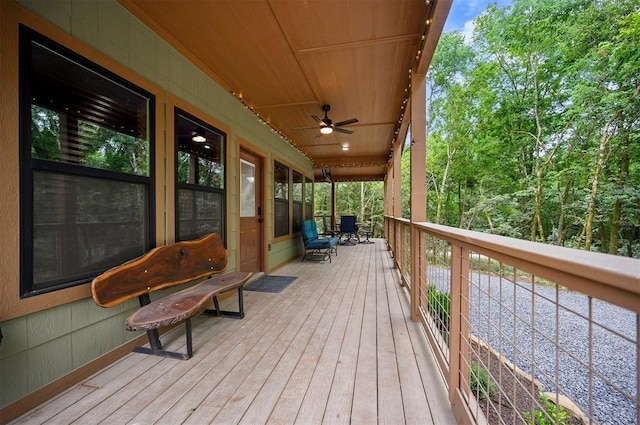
(533, 124)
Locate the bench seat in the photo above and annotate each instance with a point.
(164, 267)
(176, 307)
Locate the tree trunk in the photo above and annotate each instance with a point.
(620, 183)
(443, 183)
(490, 222)
(536, 223)
(563, 196)
(461, 203)
(600, 163)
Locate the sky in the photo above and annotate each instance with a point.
(463, 12)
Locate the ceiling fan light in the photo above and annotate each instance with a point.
(198, 135)
(326, 130)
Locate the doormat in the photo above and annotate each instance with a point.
(271, 283)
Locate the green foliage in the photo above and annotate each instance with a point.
(552, 414)
(45, 133)
(533, 125)
(115, 151)
(362, 199)
(480, 383)
(405, 181)
(97, 147)
(439, 306)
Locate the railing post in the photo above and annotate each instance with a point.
(459, 357)
(418, 271)
(394, 248)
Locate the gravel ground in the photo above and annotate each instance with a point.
(565, 369)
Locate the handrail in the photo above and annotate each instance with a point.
(477, 293)
(580, 270)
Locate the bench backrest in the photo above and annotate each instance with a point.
(161, 267)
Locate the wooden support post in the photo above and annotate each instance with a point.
(459, 360)
(418, 187)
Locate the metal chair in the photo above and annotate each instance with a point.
(367, 232)
(348, 228)
(326, 228)
(314, 245)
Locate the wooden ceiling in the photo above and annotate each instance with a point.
(287, 58)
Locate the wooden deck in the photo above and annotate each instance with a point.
(334, 347)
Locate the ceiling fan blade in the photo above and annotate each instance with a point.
(315, 127)
(342, 130)
(346, 122)
(318, 119)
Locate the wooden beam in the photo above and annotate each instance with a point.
(437, 19)
(352, 161)
(418, 185)
(358, 44)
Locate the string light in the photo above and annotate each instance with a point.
(267, 121)
(427, 22)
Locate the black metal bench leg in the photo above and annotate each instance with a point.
(155, 346)
(216, 311)
(187, 324)
(154, 339)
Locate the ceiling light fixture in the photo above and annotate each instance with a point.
(198, 135)
(326, 130)
(345, 146)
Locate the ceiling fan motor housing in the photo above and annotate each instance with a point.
(326, 120)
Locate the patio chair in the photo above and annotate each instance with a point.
(315, 245)
(367, 232)
(327, 230)
(349, 228)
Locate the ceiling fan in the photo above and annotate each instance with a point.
(327, 126)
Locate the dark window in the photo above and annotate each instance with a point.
(297, 201)
(200, 175)
(308, 199)
(86, 138)
(281, 199)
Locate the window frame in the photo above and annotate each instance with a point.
(180, 112)
(29, 165)
(296, 221)
(308, 198)
(281, 200)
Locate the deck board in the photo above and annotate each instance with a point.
(390, 409)
(365, 407)
(336, 347)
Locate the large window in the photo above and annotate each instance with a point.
(297, 201)
(281, 199)
(308, 199)
(86, 189)
(200, 175)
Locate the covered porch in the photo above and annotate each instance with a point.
(345, 342)
(336, 346)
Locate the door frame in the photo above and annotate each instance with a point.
(244, 146)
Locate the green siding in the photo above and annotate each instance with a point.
(44, 346)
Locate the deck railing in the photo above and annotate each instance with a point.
(524, 332)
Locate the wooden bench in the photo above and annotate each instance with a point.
(164, 267)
